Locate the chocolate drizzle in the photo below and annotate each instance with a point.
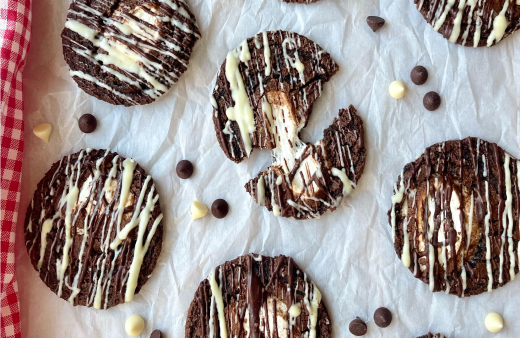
(255, 299)
(93, 223)
(159, 35)
(475, 26)
(268, 77)
(319, 189)
(456, 175)
(253, 305)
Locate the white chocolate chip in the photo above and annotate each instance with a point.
(494, 322)
(397, 89)
(134, 325)
(198, 210)
(43, 131)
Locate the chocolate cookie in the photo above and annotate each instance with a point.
(128, 52)
(317, 176)
(263, 98)
(455, 216)
(470, 22)
(93, 229)
(431, 335)
(257, 296)
(269, 83)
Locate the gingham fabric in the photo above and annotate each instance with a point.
(15, 23)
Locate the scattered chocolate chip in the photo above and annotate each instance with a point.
(419, 75)
(432, 101)
(156, 334)
(358, 327)
(184, 169)
(375, 22)
(382, 317)
(87, 123)
(219, 208)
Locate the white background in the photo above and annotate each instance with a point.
(348, 253)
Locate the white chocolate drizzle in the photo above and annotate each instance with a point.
(473, 13)
(431, 250)
(261, 191)
(296, 64)
(87, 199)
(242, 112)
(488, 244)
(46, 227)
(312, 300)
(347, 183)
(507, 217)
(217, 297)
(130, 50)
(499, 25)
(267, 54)
(69, 201)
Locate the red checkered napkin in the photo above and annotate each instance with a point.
(15, 30)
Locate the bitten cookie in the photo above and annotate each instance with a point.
(316, 177)
(455, 215)
(276, 68)
(257, 296)
(94, 229)
(470, 22)
(263, 98)
(431, 335)
(128, 52)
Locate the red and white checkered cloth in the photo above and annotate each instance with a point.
(15, 31)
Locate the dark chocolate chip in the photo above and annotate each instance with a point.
(156, 334)
(382, 317)
(184, 169)
(432, 101)
(358, 327)
(87, 123)
(219, 208)
(419, 75)
(375, 22)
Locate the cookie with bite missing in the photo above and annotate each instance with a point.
(128, 52)
(454, 217)
(318, 176)
(94, 228)
(472, 23)
(271, 68)
(263, 98)
(258, 296)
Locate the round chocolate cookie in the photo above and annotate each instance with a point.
(93, 229)
(431, 335)
(257, 296)
(472, 23)
(269, 83)
(128, 52)
(455, 215)
(321, 174)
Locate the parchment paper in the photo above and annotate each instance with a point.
(348, 253)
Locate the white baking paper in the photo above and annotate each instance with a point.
(349, 252)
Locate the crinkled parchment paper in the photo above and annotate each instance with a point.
(348, 252)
